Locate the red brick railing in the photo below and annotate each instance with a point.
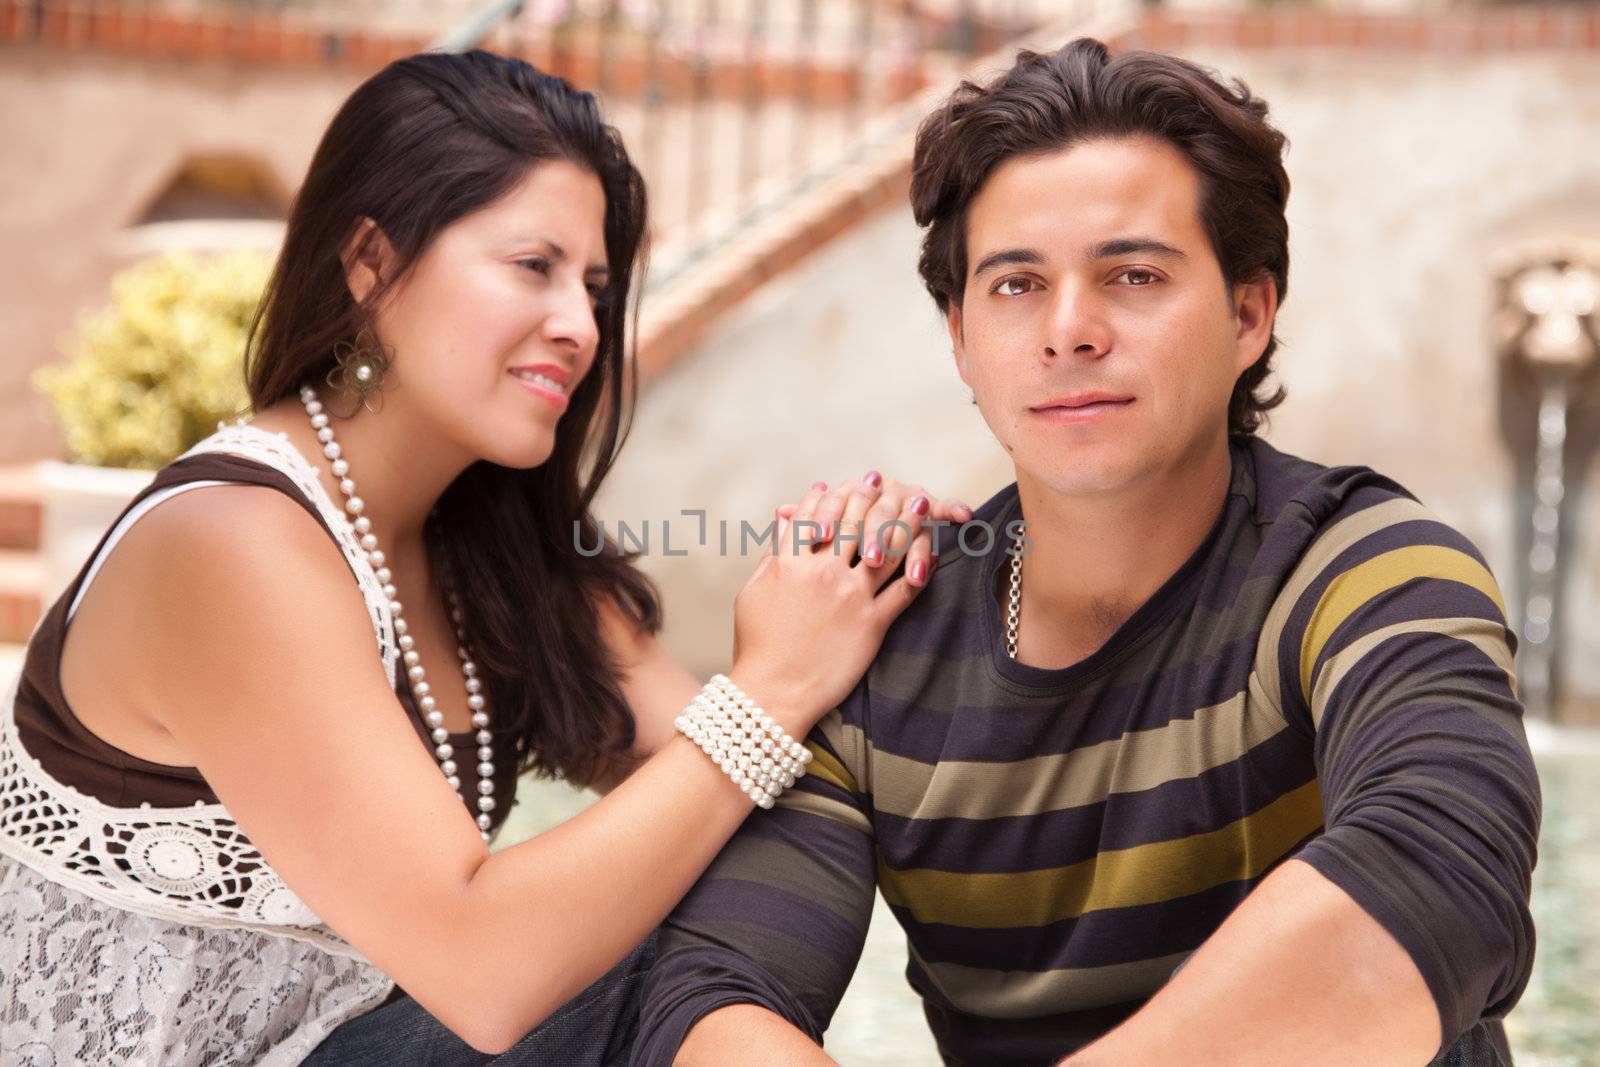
(295, 38)
(256, 37)
(1513, 28)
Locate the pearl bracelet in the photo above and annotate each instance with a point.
(750, 747)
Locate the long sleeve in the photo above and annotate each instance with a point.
(780, 917)
(1396, 653)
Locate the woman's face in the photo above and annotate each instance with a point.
(495, 326)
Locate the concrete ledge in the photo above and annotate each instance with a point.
(20, 510)
(21, 579)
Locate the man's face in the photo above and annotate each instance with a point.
(1095, 330)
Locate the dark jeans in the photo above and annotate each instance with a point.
(595, 1029)
(1482, 1046)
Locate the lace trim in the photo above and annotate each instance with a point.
(86, 982)
(191, 865)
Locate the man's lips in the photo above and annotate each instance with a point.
(1084, 405)
(1078, 407)
(1078, 400)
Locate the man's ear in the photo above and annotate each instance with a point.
(952, 320)
(1255, 308)
(366, 256)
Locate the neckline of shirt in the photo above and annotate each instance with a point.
(1143, 624)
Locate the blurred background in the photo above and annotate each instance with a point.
(1441, 325)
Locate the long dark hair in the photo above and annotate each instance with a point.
(1051, 101)
(422, 143)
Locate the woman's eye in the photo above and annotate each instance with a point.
(1134, 274)
(1015, 286)
(538, 264)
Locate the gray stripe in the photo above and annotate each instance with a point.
(1323, 551)
(827, 807)
(1486, 636)
(1023, 994)
(1140, 760)
(796, 870)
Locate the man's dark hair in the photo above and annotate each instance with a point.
(1051, 101)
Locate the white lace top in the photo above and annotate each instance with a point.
(156, 935)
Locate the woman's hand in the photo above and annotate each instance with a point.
(810, 619)
(880, 542)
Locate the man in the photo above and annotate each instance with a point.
(1227, 767)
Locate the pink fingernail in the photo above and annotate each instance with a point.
(819, 487)
(873, 555)
(827, 530)
(919, 505)
(873, 478)
(919, 573)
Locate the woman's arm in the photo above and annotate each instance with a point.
(657, 686)
(260, 663)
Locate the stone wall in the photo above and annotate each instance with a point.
(91, 140)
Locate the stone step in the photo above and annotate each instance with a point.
(20, 508)
(21, 599)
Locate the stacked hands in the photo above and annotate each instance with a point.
(845, 563)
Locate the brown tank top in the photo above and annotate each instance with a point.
(66, 748)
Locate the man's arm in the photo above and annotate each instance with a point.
(728, 1034)
(1299, 973)
(775, 925)
(1406, 921)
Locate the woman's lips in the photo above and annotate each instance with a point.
(554, 397)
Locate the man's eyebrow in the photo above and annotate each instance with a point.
(1127, 246)
(1008, 257)
(1107, 249)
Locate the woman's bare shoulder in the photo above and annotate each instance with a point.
(231, 551)
(187, 593)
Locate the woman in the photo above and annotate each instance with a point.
(222, 838)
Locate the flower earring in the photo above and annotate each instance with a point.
(362, 364)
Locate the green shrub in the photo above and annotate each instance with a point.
(151, 374)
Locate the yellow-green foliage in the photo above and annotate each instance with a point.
(153, 373)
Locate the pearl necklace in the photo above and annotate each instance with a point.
(1014, 612)
(443, 751)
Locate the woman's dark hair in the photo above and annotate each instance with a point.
(1051, 101)
(422, 143)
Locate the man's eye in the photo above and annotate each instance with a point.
(1134, 274)
(1014, 286)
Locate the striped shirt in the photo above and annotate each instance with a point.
(1328, 677)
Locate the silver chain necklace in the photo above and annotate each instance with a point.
(1014, 612)
(443, 751)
